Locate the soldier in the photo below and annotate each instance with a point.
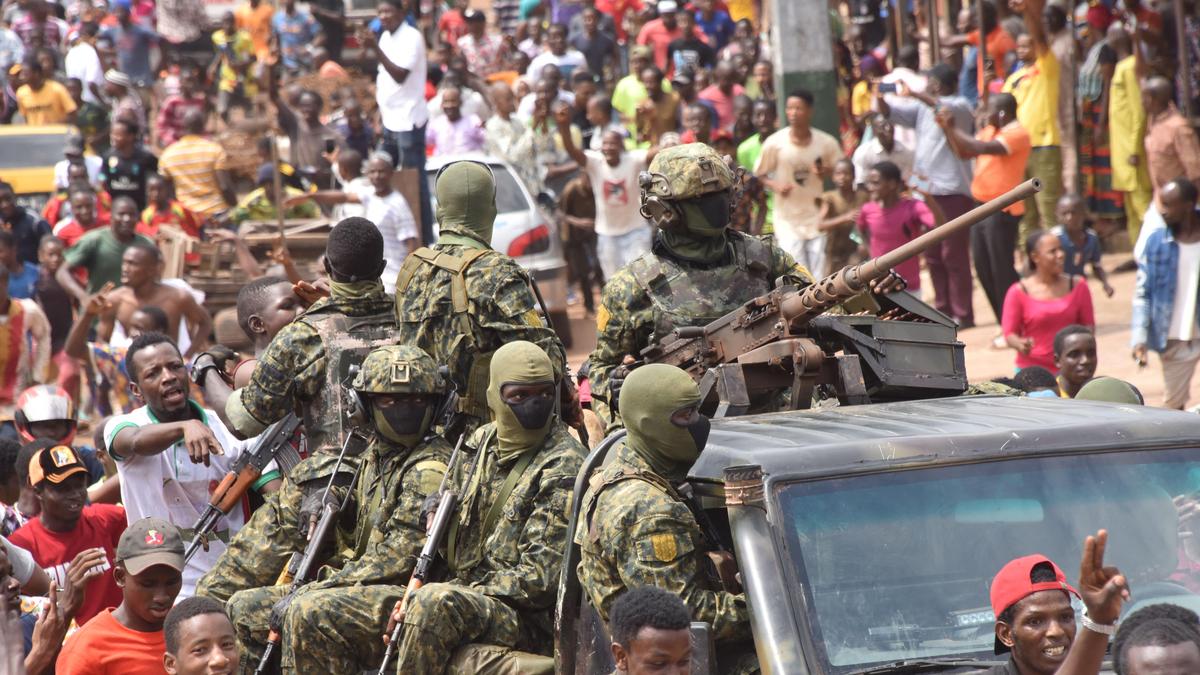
(304, 369)
(330, 625)
(505, 546)
(460, 300)
(697, 271)
(636, 529)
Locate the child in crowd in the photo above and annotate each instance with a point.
(75, 543)
(1037, 382)
(22, 275)
(161, 209)
(129, 640)
(199, 638)
(264, 307)
(57, 303)
(839, 212)
(1075, 357)
(890, 219)
(1080, 244)
(649, 627)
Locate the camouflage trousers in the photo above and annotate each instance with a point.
(442, 617)
(334, 630)
(258, 553)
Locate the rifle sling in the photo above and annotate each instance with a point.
(489, 521)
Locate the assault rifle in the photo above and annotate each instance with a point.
(447, 507)
(309, 562)
(895, 347)
(274, 444)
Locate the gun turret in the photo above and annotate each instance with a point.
(785, 338)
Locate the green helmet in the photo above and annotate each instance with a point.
(398, 369)
(686, 171)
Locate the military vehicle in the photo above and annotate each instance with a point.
(867, 536)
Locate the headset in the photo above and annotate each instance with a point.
(663, 211)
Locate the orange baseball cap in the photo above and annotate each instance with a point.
(55, 464)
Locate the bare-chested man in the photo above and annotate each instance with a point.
(140, 266)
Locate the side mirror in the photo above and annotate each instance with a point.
(547, 200)
(704, 652)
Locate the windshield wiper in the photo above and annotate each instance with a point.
(923, 665)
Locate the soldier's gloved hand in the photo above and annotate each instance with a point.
(568, 403)
(616, 379)
(429, 509)
(279, 610)
(892, 283)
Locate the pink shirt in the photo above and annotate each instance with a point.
(888, 228)
(1042, 319)
(721, 103)
(452, 138)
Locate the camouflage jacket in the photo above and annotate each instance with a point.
(381, 546)
(291, 372)
(635, 531)
(656, 293)
(500, 308)
(518, 560)
(388, 532)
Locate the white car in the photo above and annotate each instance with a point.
(526, 231)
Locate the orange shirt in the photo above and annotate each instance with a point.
(105, 647)
(997, 174)
(257, 22)
(999, 44)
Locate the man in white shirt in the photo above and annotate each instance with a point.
(83, 62)
(170, 451)
(400, 93)
(883, 146)
(557, 53)
(622, 234)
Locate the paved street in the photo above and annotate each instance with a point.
(983, 362)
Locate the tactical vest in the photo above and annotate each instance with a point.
(347, 341)
(684, 296)
(472, 401)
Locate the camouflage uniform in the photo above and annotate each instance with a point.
(290, 375)
(460, 300)
(334, 624)
(661, 291)
(636, 530)
(503, 580)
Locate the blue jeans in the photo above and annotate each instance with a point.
(407, 149)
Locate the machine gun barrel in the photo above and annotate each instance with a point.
(851, 281)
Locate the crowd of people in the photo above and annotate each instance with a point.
(653, 129)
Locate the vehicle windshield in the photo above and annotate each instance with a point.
(897, 565)
(27, 151)
(509, 197)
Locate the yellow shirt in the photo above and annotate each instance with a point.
(49, 105)
(241, 48)
(1036, 89)
(1127, 128)
(860, 99)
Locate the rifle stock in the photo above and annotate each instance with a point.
(241, 477)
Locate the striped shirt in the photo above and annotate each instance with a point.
(192, 163)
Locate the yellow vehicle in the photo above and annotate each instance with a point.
(27, 158)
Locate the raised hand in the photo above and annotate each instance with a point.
(1103, 589)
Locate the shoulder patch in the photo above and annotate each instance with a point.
(664, 547)
(602, 317)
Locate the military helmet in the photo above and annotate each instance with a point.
(684, 172)
(398, 369)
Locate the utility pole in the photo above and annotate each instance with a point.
(802, 49)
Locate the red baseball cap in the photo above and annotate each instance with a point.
(1014, 583)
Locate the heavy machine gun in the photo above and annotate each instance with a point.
(886, 347)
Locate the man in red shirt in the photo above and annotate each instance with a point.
(659, 33)
(74, 543)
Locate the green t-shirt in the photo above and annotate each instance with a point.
(747, 156)
(99, 252)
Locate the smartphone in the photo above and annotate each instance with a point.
(330, 145)
(887, 87)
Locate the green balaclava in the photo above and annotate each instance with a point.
(466, 204)
(1111, 390)
(524, 426)
(650, 396)
(701, 235)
